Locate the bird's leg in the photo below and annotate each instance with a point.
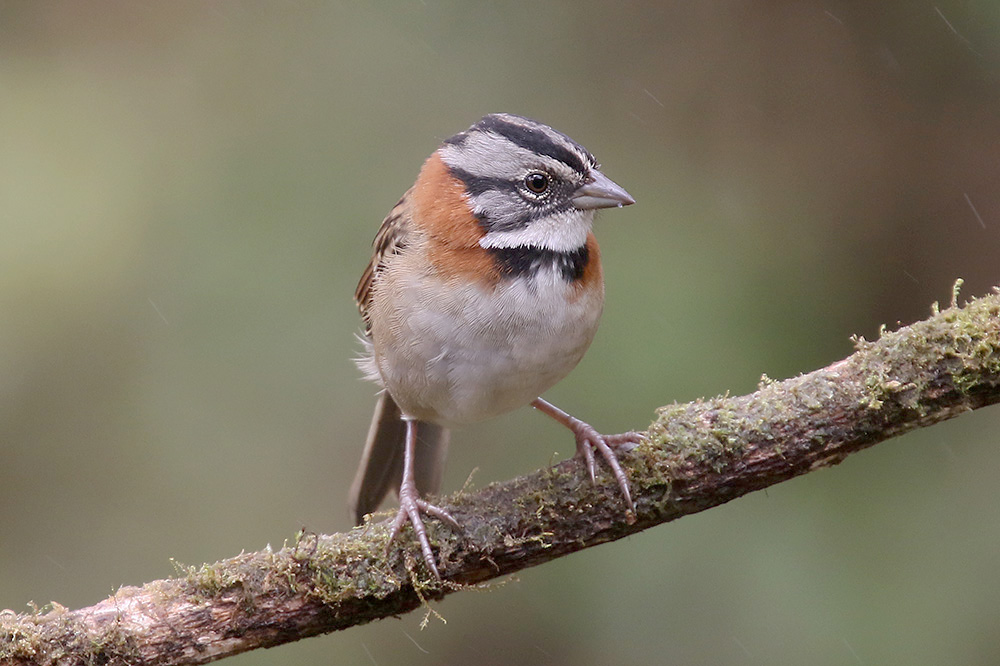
(410, 504)
(588, 439)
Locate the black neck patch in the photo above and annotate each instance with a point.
(526, 260)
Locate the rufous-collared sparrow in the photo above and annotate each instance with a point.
(484, 289)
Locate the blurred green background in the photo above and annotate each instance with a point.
(187, 196)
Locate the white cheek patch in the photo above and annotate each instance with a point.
(560, 232)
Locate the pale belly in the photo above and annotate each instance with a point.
(475, 355)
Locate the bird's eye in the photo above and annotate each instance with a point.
(537, 182)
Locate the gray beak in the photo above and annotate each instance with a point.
(601, 192)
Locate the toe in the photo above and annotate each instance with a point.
(409, 510)
(437, 512)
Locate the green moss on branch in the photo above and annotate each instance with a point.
(699, 455)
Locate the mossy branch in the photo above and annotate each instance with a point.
(699, 455)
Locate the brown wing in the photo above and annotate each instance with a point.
(390, 239)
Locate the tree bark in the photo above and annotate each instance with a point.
(698, 455)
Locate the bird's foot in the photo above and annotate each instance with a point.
(410, 508)
(588, 439)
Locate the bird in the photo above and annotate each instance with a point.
(484, 290)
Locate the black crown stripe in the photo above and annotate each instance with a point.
(535, 140)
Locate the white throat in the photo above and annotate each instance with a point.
(559, 232)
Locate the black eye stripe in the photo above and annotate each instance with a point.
(476, 185)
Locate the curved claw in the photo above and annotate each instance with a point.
(588, 439)
(437, 512)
